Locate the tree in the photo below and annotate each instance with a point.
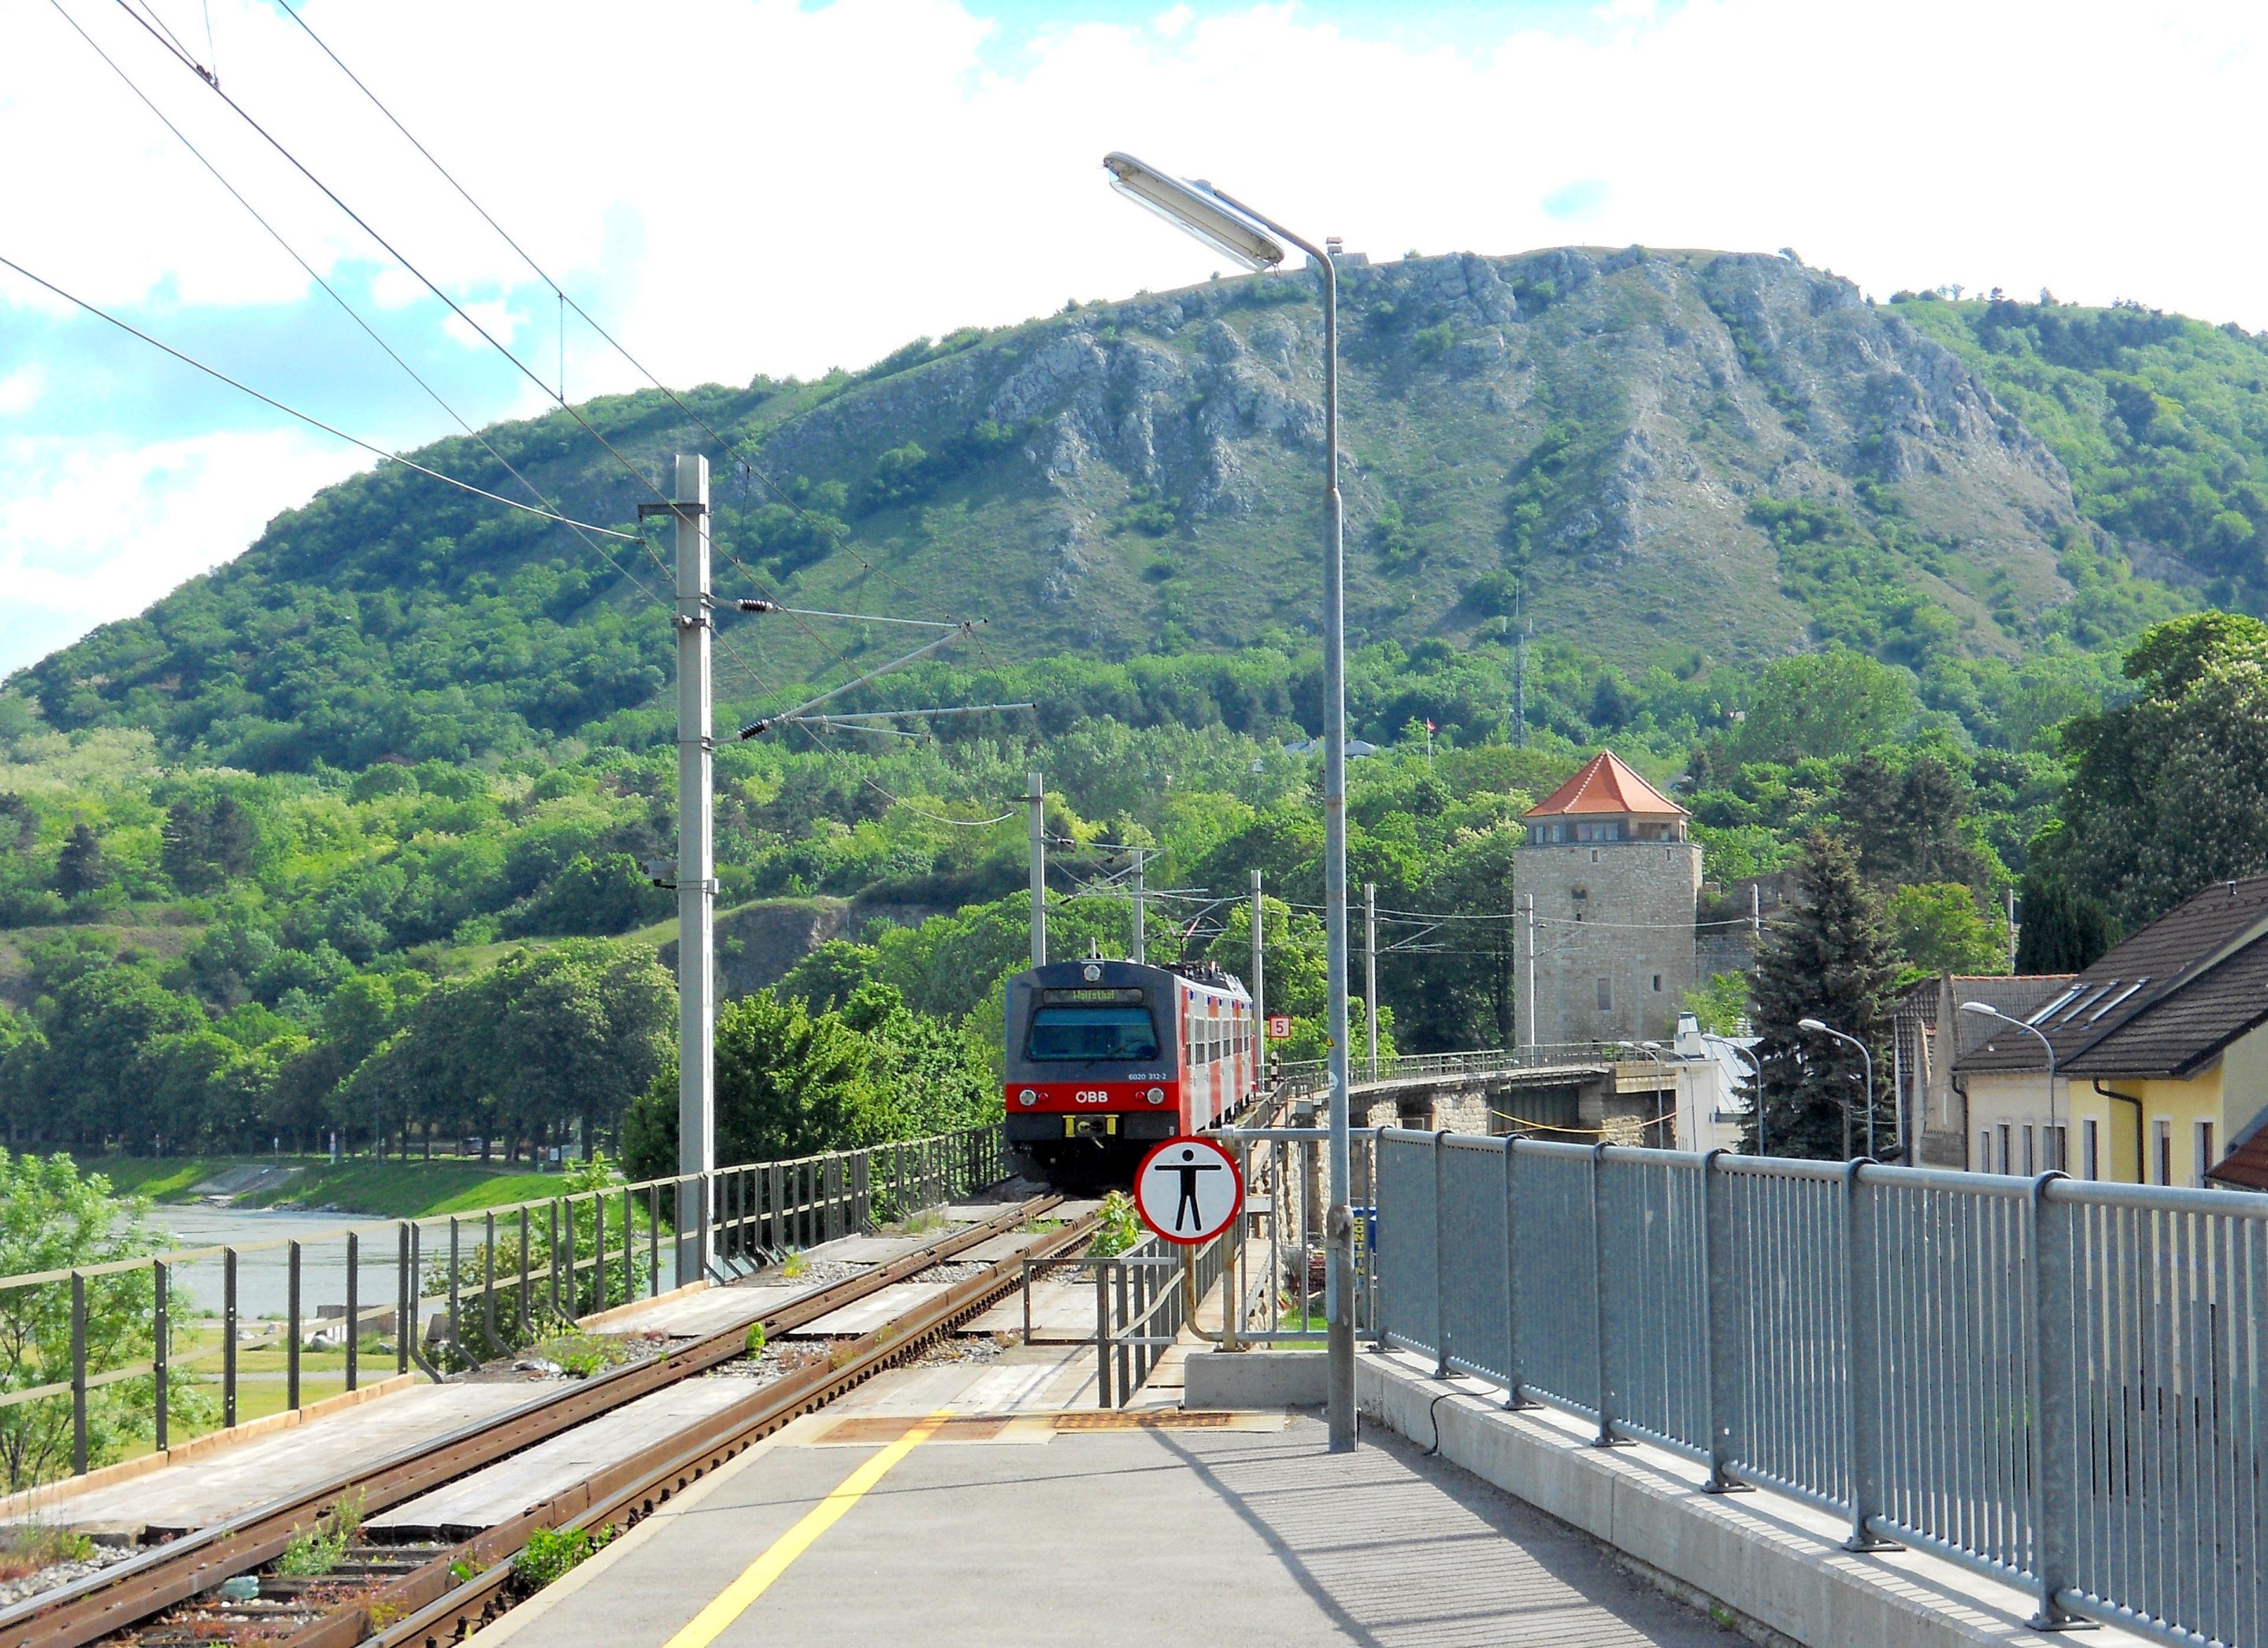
(1938, 928)
(206, 841)
(98, 1078)
(789, 1083)
(51, 1218)
(1720, 1006)
(1832, 702)
(2062, 931)
(80, 868)
(1905, 828)
(1830, 960)
(2169, 792)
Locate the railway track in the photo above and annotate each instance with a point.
(452, 1589)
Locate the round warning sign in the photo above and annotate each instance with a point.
(1188, 1190)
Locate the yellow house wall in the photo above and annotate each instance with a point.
(2230, 1094)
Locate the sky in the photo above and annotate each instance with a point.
(780, 187)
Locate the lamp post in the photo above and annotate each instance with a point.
(1756, 1080)
(1255, 241)
(1865, 1053)
(1985, 1009)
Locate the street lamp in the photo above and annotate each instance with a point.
(1656, 1052)
(1756, 1080)
(1255, 241)
(1865, 1053)
(1985, 1009)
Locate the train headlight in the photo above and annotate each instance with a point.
(1028, 1098)
(1156, 1095)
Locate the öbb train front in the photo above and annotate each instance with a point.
(1105, 1058)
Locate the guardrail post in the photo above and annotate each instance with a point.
(161, 1353)
(456, 1310)
(1512, 1399)
(1103, 1333)
(553, 1266)
(488, 1280)
(291, 1327)
(527, 1329)
(1441, 1260)
(1718, 1339)
(354, 1310)
(630, 1273)
(1862, 1385)
(652, 1239)
(1125, 1361)
(1606, 1436)
(78, 1374)
(405, 1295)
(228, 1338)
(2052, 1429)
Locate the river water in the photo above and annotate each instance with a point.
(263, 1261)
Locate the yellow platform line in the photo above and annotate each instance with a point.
(757, 1577)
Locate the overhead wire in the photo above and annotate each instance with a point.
(333, 293)
(291, 411)
(729, 448)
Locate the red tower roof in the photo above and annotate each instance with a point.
(1606, 784)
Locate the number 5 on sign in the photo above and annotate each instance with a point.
(1188, 1190)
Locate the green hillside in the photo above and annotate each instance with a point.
(1678, 464)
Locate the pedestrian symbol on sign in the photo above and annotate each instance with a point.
(1188, 1190)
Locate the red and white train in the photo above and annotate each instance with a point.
(1105, 1058)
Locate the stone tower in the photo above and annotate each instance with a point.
(1617, 885)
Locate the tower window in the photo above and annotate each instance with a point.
(1605, 996)
(1657, 983)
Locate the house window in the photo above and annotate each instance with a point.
(1657, 983)
(2029, 1169)
(2006, 1165)
(2204, 1157)
(2162, 1133)
(1605, 996)
(2093, 1145)
(1983, 1163)
(2057, 1138)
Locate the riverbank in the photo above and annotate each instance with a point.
(390, 1189)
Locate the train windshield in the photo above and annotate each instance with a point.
(1098, 1035)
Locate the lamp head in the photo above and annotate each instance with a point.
(1811, 1024)
(1191, 206)
(1981, 1009)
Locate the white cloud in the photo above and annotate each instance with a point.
(798, 185)
(89, 535)
(21, 389)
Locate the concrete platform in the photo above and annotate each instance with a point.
(224, 1483)
(482, 1500)
(1060, 1309)
(1257, 1536)
(709, 1310)
(872, 1250)
(870, 1312)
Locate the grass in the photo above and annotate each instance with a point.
(30, 1549)
(315, 1550)
(416, 1188)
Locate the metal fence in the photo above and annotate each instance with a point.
(1310, 1074)
(435, 1295)
(1142, 1301)
(2056, 1381)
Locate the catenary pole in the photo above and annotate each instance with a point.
(697, 885)
(1259, 978)
(1141, 944)
(1535, 1030)
(1036, 798)
(1370, 969)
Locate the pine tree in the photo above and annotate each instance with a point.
(1830, 960)
(78, 866)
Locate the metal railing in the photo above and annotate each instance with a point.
(2057, 1382)
(1143, 1300)
(439, 1293)
(1309, 1073)
(1282, 1294)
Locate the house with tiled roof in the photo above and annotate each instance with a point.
(1606, 885)
(2160, 1058)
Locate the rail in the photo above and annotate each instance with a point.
(438, 1294)
(2057, 1382)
